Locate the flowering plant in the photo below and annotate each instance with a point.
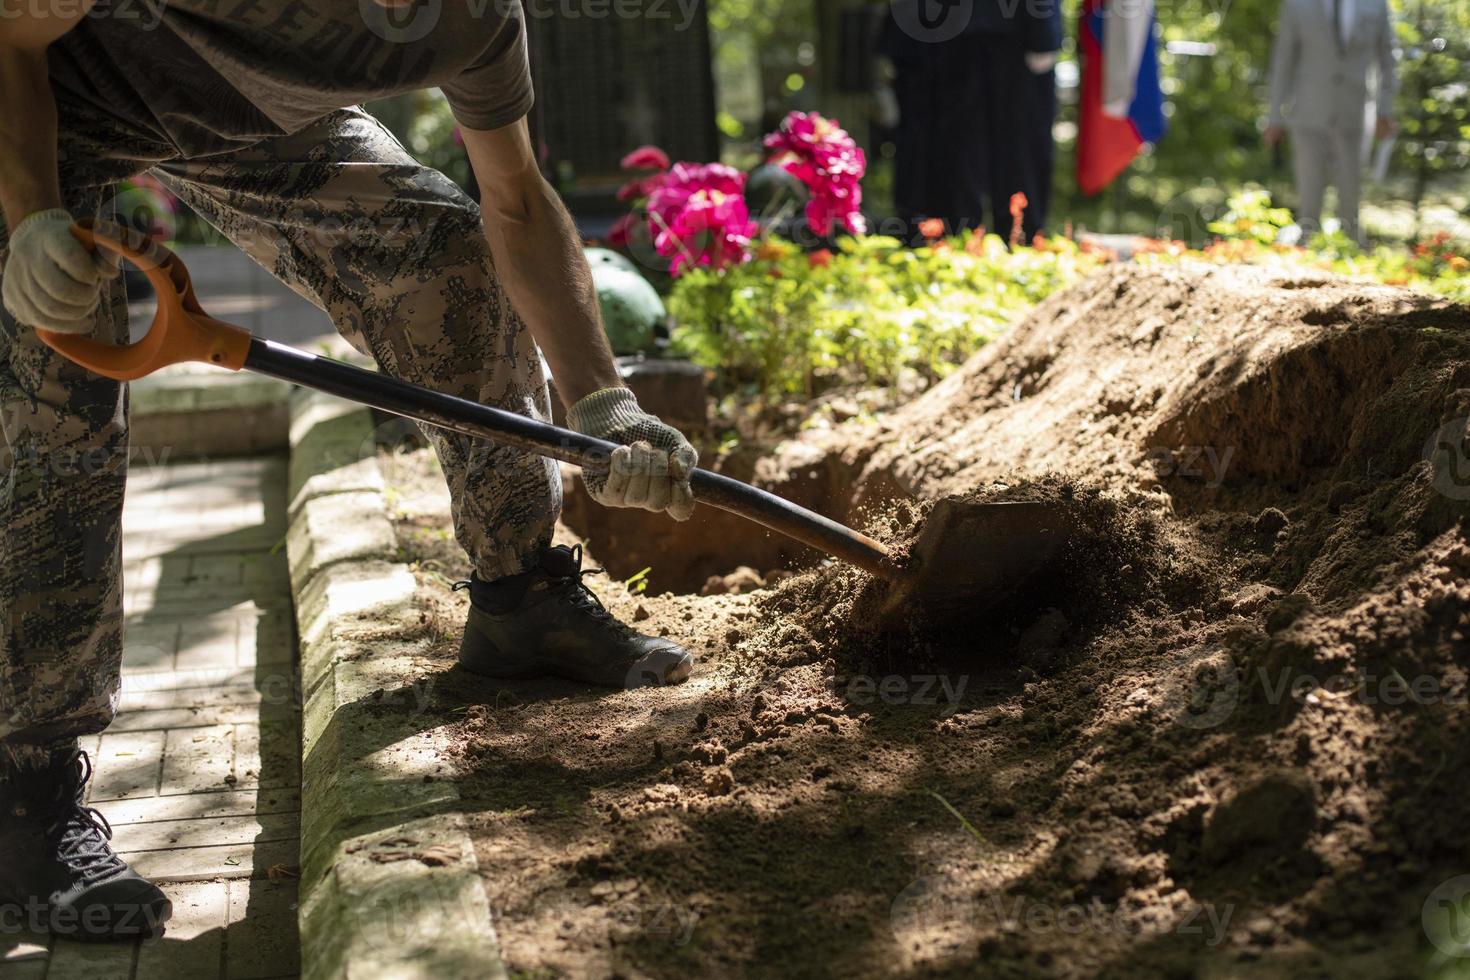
(873, 310)
(696, 214)
(1018, 207)
(819, 153)
(869, 310)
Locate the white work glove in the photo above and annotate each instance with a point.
(651, 467)
(51, 280)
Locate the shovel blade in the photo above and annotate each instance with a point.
(971, 557)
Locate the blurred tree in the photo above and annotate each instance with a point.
(765, 54)
(1434, 107)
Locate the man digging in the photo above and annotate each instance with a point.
(246, 110)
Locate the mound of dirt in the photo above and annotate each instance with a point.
(1223, 733)
(1199, 377)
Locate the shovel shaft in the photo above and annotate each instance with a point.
(182, 331)
(509, 429)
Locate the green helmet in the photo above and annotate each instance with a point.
(631, 308)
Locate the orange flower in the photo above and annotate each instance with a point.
(975, 244)
(1459, 263)
(769, 251)
(821, 258)
(932, 228)
(1018, 208)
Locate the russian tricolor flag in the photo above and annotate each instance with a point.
(1121, 106)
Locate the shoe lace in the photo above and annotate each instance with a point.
(575, 589)
(80, 833)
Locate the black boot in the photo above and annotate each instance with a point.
(545, 622)
(57, 868)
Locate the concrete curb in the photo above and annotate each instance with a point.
(389, 882)
(191, 411)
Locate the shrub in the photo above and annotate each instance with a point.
(873, 310)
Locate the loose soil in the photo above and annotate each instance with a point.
(1225, 734)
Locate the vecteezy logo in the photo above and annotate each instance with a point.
(400, 21)
(1448, 453)
(1203, 691)
(1446, 917)
(932, 20)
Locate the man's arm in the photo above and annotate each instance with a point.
(541, 263)
(28, 181)
(50, 281)
(540, 260)
(1284, 60)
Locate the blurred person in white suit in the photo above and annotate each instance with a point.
(1324, 52)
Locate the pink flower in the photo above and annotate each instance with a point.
(696, 212)
(643, 158)
(639, 187)
(819, 153)
(620, 234)
(646, 158)
(684, 179)
(698, 216)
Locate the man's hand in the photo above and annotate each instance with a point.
(1385, 127)
(539, 258)
(1273, 135)
(51, 280)
(1041, 62)
(651, 467)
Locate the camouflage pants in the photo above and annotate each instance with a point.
(390, 249)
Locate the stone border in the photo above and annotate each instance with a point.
(389, 882)
(191, 411)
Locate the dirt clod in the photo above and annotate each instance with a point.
(1270, 521)
(1277, 810)
(719, 782)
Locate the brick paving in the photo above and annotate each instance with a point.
(200, 774)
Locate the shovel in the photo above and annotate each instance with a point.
(968, 557)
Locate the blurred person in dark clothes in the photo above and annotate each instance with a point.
(974, 86)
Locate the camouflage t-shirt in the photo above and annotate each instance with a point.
(209, 75)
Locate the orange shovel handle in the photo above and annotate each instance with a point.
(181, 330)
